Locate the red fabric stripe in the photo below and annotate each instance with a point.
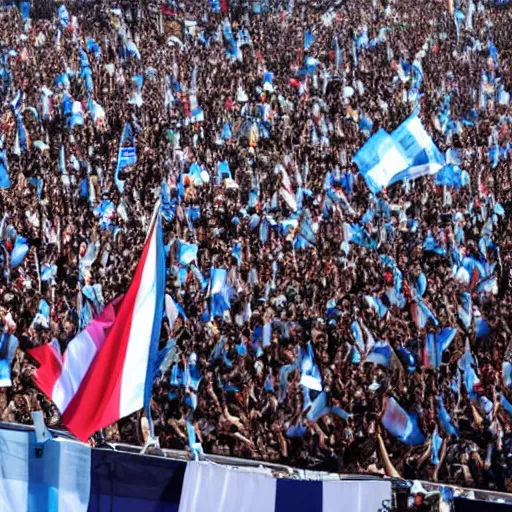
(96, 404)
(475, 276)
(50, 368)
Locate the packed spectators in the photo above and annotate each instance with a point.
(353, 331)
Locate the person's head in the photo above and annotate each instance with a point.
(419, 499)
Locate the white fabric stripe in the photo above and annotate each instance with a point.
(416, 129)
(77, 359)
(133, 379)
(364, 496)
(392, 162)
(211, 488)
(74, 476)
(59, 480)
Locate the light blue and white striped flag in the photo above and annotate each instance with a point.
(380, 160)
(423, 156)
(232, 490)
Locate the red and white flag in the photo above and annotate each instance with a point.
(107, 371)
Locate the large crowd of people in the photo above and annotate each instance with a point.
(343, 315)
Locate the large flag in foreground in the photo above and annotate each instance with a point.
(408, 153)
(106, 372)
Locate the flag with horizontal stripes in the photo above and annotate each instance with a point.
(106, 372)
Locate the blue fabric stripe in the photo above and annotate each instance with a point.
(42, 483)
(299, 496)
(159, 307)
(464, 505)
(122, 482)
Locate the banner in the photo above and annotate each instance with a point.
(233, 490)
(62, 476)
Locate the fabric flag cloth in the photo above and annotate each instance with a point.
(68, 476)
(8, 345)
(132, 50)
(58, 480)
(48, 272)
(173, 310)
(187, 253)
(380, 160)
(445, 421)
(5, 181)
(63, 16)
(206, 484)
(19, 251)
(467, 364)
(127, 154)
(106, 372)
(506, 369)
(437, 442)
(25, 10)
(380, 354)
(220, 292)
(505, 403)
(408, 153)
(436, 344)
(422, 154)
(310, 373)
(309, 39)
(376, 305)
(401, 424)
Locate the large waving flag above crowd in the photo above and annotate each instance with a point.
(106, 372)
(406, 154)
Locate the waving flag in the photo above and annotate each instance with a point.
(310, 373)
(505, 403)
(380, 160)
(187, 253)
(17, 104)
(436, 344)
(422, 154)
(19, 251)
(5, 181)
(309, 39)
(21, 139)
(63, 16)
(445, 421)
(401, 424)
(466, 309)
(305, 235)
(127, 154)
(220, 292)
(467, 364)
(408, 153)
(8, 345)
(380, 354)
(377, 305)
(437, 442)
(421, 314)
(106, 372)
